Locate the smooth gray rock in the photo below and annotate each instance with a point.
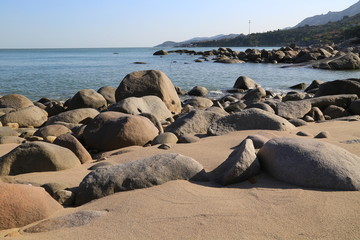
(167, 137)
(241, 165)
(146, 104)
(11, 139)
(199, 102)
(112, 130)
(343, 100)
(347, 86)
(7, 131)
(138, 174)
(249, 119)
(354, 107)
(293, 109)
(108, 93)
(198, 91)
(26, 117)
(37, 157)
(350, 61)
(52, 130)
(87, 98)
(149, 82)
(311, 163)
(260, 138)
(72, 143)
(15, 101)
(335, 112)
(298, 122)
(195, 122)
(81, 115)
(245, 83)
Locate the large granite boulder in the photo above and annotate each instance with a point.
(248, 119)
(72, 143)
(112, 130)
(311, 163)
(245, 83)
(52, 130)
(22, 204)
(350, 61)
(37, 157)
(87, 98)
(108, 93)
(195, 122)
(293, 109)
(150, 82)
(146, 104)
(241, 165)
(347, 86)
(138, 174)
(199, 102)
(76, 116)
(26, 117)
(15, 101)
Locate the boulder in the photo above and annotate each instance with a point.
(249, 119)
(298, 122)
(335, 112)
(354, 107)
(242, 164)
(229, 60)
(37, 157)
(311, 163)
(138, 174)
(108, 93)
(7, 131)
(245, 83)
(154, 120)
(293, 109)
(347, 86)
(255, 95)
(54, 108)
(70, 142)
(199, 102)
(300, 86)
(146, 104)
(15, 101)
(11, 139)
(52, 130)
(160, 53)
(198, 91)
(87, 98)
(167, 137)
(316, 114)
(260, 138)
(262, 106)
(343, 100)
(314, 85)
(112, 130)
(26, 117)
(150, 82)
(195, 122)
(350, 61)
(22, 204)
(82, 115)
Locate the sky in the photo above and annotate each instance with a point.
(145, 23)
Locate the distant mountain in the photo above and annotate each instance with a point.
(331, 32)
(197, 39)
(330, 16)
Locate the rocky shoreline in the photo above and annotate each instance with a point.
(335, 57)
(146, 110)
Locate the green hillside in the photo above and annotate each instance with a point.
(332, 32)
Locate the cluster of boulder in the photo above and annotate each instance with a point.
(324, 57)
(146, 110)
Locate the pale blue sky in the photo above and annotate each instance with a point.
(144, 23)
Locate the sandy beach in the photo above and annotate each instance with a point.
(261, 209)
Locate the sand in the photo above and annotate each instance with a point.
(266, 209)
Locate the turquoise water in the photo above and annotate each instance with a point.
(60, 73)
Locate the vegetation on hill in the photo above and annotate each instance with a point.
(332, 32)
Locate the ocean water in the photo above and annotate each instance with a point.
(60, 73)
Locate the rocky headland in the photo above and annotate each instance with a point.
(344, 56)
(142, 162)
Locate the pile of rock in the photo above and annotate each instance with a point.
(146, 110)
(324, 57)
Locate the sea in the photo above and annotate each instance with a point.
(59, 73)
